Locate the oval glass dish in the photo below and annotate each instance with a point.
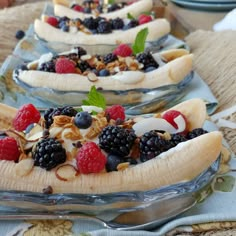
(98, 204)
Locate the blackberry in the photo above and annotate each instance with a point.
(147, 60)
(195, 133)
(113, 7)
(48, 66)
(83, 120)
(110, 57)
(48, 153)
(80, 51)
(151, 145)
(104, 27)
(132, 23)
(83, 66)
(116, 140)
(91, 23)
(117, 23)
(176, 139)
(51, 112)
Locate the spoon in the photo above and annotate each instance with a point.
(149, 217)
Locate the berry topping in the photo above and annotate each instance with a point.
(26, 115)
(176, 139)
(53, 21)
(152, 144)
(117, 23)
(83, 120)
(147, 60)
(110, 57)
(48, 153)
(113, 161)
(64, 66)
(9, 149)
(90, 159)
(171, 115)
(78, 8)
(115, 112)
(20, 34)
(117, 140)
(51, 112)
(123, 50)
(195, 133)
(144, 19)
(104, 27)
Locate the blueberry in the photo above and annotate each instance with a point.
(112, 162)
(3, 135)
(150, 68)
(87, 10)
(83, 120)
(20, 34)
(104, 72)
(65, 28)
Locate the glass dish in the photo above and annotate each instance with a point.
(136, 101)
(110, 206)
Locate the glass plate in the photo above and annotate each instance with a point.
(98, 204)
(136, 101)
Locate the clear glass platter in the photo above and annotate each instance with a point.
(115, 210)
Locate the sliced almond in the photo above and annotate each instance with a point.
(24, 167)
(66, 172)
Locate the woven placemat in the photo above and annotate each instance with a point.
(215, 60)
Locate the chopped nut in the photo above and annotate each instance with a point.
(123, 166)
(61, 120)
(48, 190)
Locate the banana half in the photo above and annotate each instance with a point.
(181, 163)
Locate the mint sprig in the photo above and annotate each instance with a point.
(139, 43)
(130, 16)
(95, 99)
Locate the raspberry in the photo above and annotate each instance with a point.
(144, 19)
(64, 66)
(52, 21)
(123, 50)
(115, 112)
(26, 115)
(9, 149)
(90, 159)
(78, 8)
(171, 115)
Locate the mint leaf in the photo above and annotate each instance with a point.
(95, 99)
(131, 17)
(111, 1)
(139, 43)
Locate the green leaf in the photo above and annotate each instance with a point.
(95, 99)
(130, 16)
(111, 1)
(224, 183)
(139, 43)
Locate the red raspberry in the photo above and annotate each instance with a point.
(52, 21)
(78, 8)
(9, 149)
(171, 115)
(26, 115)
(90, 159)
(116, 112)
(64, 66)
(144, 19)
(123, 50)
